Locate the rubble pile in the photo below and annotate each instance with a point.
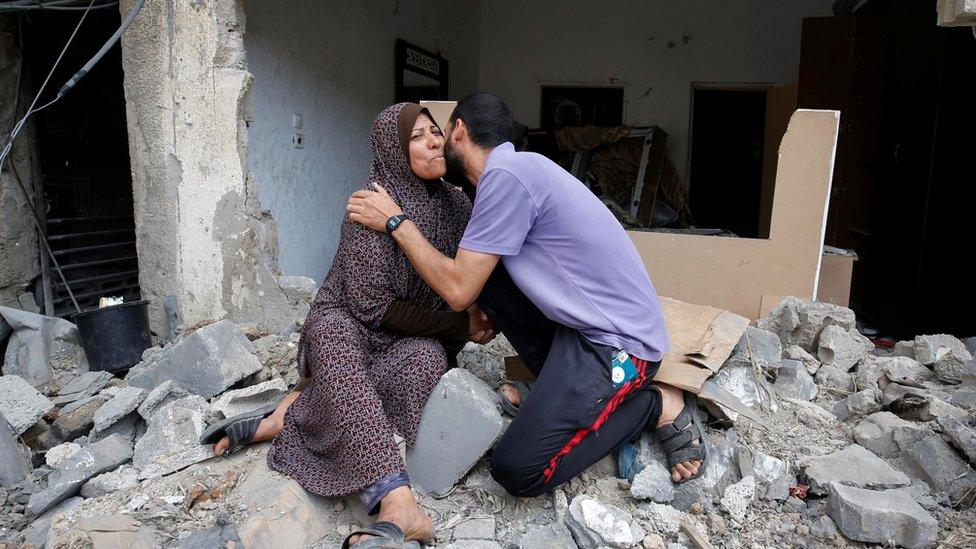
(856, 445)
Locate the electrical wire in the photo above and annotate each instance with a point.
(21, 6)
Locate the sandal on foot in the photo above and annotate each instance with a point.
(678, 438)
(239, 429)
(386, 535)
(507, 406)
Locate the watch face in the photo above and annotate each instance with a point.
(392, 223)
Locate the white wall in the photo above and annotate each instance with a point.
(333, 63)
(525, 44)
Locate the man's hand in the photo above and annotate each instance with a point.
(480, 330)
(372, 208)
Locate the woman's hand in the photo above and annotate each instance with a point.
(372, 209)
(480, 329)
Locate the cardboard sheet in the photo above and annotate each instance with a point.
(440, 110)
(735, 273)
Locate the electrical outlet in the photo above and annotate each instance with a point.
(297, 120)
(298, 140)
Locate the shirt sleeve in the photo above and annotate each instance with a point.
(502, 216)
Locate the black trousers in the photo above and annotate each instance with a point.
(574, 416)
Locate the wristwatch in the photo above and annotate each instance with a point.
(394, 222)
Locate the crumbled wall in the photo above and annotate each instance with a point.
(201, 234)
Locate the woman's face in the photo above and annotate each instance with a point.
(427, 149)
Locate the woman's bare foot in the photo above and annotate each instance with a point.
(672, 402)
(267, 429)
(511, 394)
(401, 509)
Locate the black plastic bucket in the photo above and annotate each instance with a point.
(114, 337)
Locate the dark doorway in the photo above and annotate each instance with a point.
(83, 149)
(726, 154)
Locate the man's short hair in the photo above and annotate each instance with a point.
(488, 118)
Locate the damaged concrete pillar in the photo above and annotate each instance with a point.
(201, 235)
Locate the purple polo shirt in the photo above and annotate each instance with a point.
(566, 252)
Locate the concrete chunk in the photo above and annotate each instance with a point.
(887, 435)
(859, 404)
(459, 424)
(794, 381)
(97, 457)
(14, 457)
(653, 483)
(205, 363)
(842, 348)
(171, 440)
(298, 288)
(552, 536)
(904, 370)
(947, 355)
(21, 404)
(87, 384)
(799, 322)
(111, 482)
(163, 394)
(766, 347)
(852, 466)
(241, 401)
(795, 352)
(39, 342)
(881, 517)
(123, 403)
(944, 470)
(76, 419)
(962, 436)
(57, 456)
(596, 524)
(476, 528)
(829, 377)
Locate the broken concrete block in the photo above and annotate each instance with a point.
(842, 348)
(96, 458)
(241, 401)
(116, 530)
(904, 370)
(767, 350)
(829, 377)
(887, 435)
(37, 343)
(859, 404)
(472, 544)
(799, 322)
(108, 483)
(205, 363)
(56, 456)
(767, 468)
(21, 404)
(881, 517)
(738, 497)
(87, 384)
(961, 435)
(298, 288)
(721, 471)
(868, 373)
(475, 528)
(596, 524)
(219, 535)
(944, 470)
(480, 361)
(793, 381)
(41, 529)
(852, 466)
(653, 483)
(14, 457)
(163, 394)
(954, 366)
(947, 355)
(122, 404)
(964, 398)
(739, 377)
(795, 352)
(779, 488)
(171, 442)
(77, 418)
(904, 348)
(459, 424)
(552, 536)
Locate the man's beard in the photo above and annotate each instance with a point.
(455, 171)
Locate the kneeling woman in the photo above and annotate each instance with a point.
(372, 345)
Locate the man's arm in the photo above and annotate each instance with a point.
(459, 281)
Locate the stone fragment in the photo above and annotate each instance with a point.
(459, 424)
(14, 457)
(219, 535)
(87, 384)
(721, 472)
(905, 371)
(163, 394)
(171, 439)
(552, 536)
(206, 362)
(122, 404)
(77, 418)
(839, 380)
(738, 497)
(117, 530)
(653, 483)
(767, 350)
(110, 482)
(779, 488)
(596, 524)
(795, 352)
(842, 348)
(37, 343)
(739, 377)
(962, 436)
(823, 527)
(483, 363)
(904, 348)
(97, 457)
(852, 466)
(298, 288)
(869, 373)
(241, 401)
(473, 544)
(665, 519)
(944, 470)
(21, 404)
(793, 381)
(881, 517)
(800, 322)
(945, 353)
(887, 435)
(859, 404)
(56, 456)
(475, 528)
(767, 468)
(41, 528)
(964, 398)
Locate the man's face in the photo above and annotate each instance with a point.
(455, 163)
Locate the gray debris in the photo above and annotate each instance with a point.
(799, 322)
(904, 370)
(111, 482)
(459, 424)
(962, 436)
(552, 536)
(945, 353)
(880, 517)
(738, 497)
(859, 404)
(475, 528)
(842, 348)
(87, 384)
(869, 373)
(55, 457)
(944, 470)
(829, 377)
(163, 394)
(97, 457)
(779, 488)
(298, 288)
(122, 404)
(482, 362)
(205, 363)
(794, 381)
(241, 401)
(741, 379)
(37, 342)
(887, 435)
(767, 468)
(964, 398)
(795, 352)
(596, 524)
(40, 530)
(823, 527)
(852, 466)
(76, 419)
(472, 544)
(653, 483)
(904, 348)
(14, 457)
(767, 350)
(171, 439)
(219, 535)
(21, 404)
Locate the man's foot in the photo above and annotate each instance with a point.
(401, 509)
(267, 430)
(672, 402)
(511, 394)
